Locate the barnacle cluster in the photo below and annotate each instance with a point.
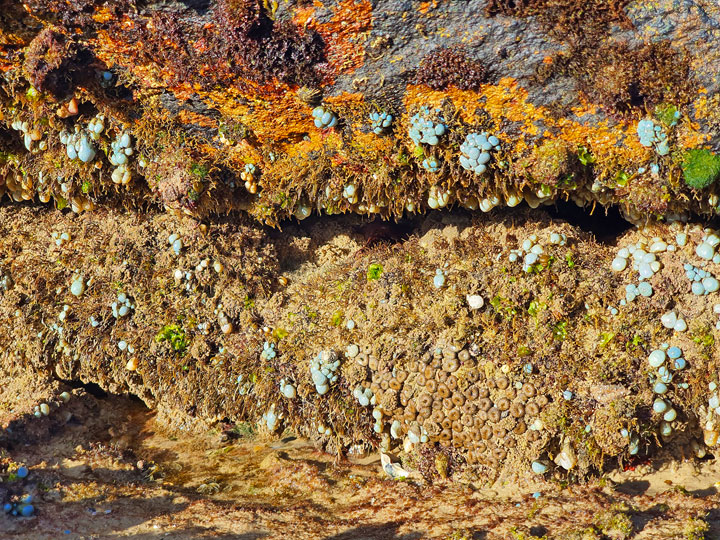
(78, 145)
(249, 176)
(431, 164)
(662, 387)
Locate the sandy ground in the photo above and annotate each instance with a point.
(109, 471)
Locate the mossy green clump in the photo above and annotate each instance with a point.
(700, 167)
(175, 335)
(695, 529)
(374, 271)
(589, 533)
(667, 114)
(555, 163)
(615, 522)
(200, 170)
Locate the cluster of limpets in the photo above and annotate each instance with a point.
(452, 397)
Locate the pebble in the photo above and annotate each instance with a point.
(439, 279)
(669, 319)
(22, 472)
(658, 247)
(78, 286)
(660, 406)
(705, 251)
(680, 326)
(619, 264)
(475, 301)
(645, 289)
(656, 358)
(538, 467)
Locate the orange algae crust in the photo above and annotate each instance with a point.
(345, 34)
(184, 86)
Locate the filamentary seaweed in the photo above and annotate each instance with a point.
(451, 66)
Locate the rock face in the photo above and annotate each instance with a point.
(218, 98)
(554, 361)
(169, 135)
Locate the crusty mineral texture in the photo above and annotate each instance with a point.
(198, 200)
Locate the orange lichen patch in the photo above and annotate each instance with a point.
(585, 108)
(189, 117)
(237, 155)
(328, 141)
(689, 135)
(304, 15)
(103, 15)
(113, 49)
(466, 102)
(703, 106)
(615, 146)
(4, 64)
(507, 100)
(344, 34)
(427, 6)
(351, 105)
(371, 146)
(11, 39)
(8, 40)
(274, 118)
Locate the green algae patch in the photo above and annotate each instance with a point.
(700, 168)
(175, 336)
